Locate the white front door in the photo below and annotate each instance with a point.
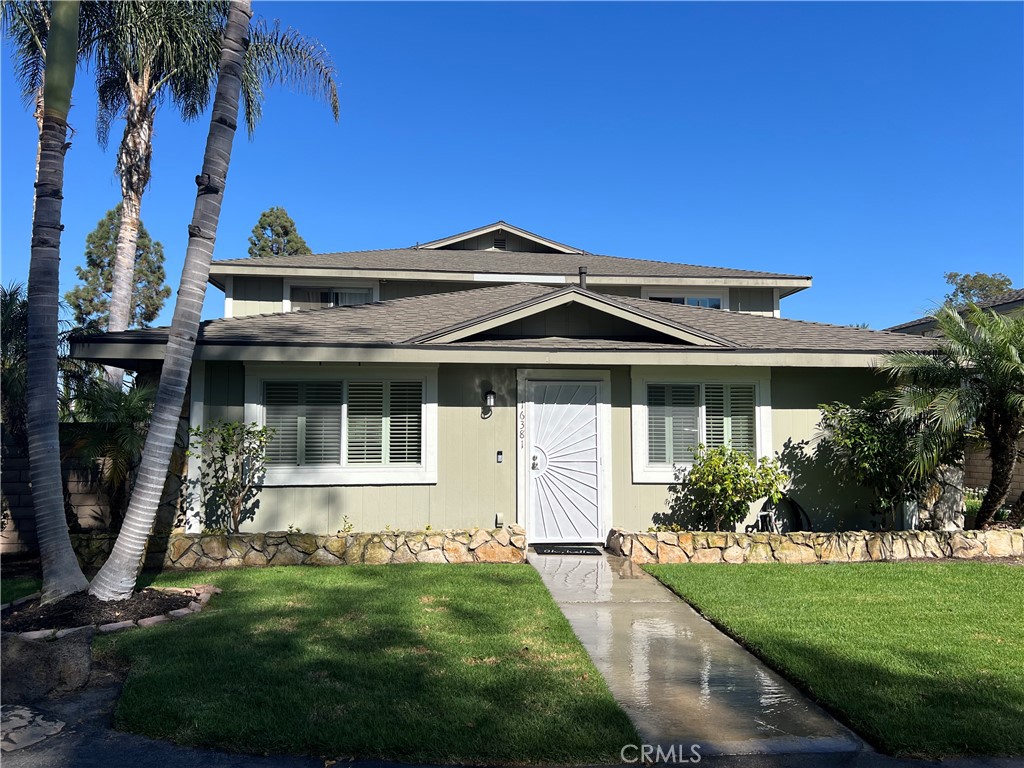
(563, 462)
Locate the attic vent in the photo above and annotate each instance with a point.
(499, 243)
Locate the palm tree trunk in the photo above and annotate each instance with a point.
(134, 159)
(116, 580)
(1002, 440)
(62, 575)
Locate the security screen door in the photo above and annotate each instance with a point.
(563, 464)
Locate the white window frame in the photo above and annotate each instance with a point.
(424, 473)
(332, 285)
(684, 292)
(643, 471)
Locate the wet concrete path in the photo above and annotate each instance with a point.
(680, 680)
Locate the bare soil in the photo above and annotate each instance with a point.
(83, 609)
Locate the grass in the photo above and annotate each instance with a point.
(13, 588)
(429, 663)
(921, 659)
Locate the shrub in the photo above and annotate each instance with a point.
(232, 466)
(872, 446)
(717, 491)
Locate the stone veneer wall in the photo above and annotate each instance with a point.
(847, 547)
(194, 550)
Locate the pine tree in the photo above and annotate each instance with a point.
(90, 301)
(275, 234)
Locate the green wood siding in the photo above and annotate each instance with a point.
(256, 295)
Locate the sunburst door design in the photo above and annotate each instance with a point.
(563, 465)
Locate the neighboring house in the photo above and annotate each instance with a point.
(977, 465)
(498, 376)
(1011, 301)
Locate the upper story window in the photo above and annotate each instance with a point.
(691, 297)
(317, 297)
(711, 302)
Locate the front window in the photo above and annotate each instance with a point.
(681, 416)
(379, 423)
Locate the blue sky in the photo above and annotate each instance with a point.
(874, 146)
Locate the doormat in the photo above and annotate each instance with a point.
(564, 549)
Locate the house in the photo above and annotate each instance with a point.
(1004, 304)
(498, 376)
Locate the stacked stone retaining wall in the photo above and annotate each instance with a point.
(205, 551)
(846, 547)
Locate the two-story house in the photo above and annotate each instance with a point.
(497, 376)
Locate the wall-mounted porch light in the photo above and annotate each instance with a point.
(489, 398)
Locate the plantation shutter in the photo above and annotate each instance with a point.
(731, 417)
(672, 422)
(323, 422)
(281, 400)
(405, 422)
(365, 422)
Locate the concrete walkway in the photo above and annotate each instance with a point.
(679, 679)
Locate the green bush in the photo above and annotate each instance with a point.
(873, 447)
(717, 491)
(232, 466)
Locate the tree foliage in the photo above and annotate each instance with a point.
(90, 301)
(716, 492)
(973, 382)
(275, 234)
(974, 288)
(875, 448)
(232, 466)
(14, 335)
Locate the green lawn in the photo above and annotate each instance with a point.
(921, 659)
(12, 589)
(440, 663)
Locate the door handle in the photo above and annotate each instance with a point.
(535, 466)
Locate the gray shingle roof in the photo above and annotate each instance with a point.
(401, 321)
(496, 262)
(1008, 300)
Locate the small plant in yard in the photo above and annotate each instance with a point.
(232, 467)
(346, 525)
(717, 491)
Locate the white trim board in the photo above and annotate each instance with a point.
(604, 430)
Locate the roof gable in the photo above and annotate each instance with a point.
(496, 237)
(514, 320)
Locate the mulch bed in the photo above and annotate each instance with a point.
(81, 609)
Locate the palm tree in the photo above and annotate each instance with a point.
(109, 430)
(973, 381)
(62, 575)
(26, 25)
(154, 51)
(116, 579)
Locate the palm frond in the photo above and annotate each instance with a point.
(287, 57)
